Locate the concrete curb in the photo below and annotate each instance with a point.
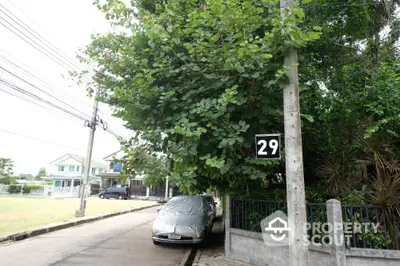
(197, 258)
(69, 223)
(187, 259)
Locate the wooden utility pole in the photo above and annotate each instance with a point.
(298, 250)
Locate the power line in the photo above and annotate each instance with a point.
(44, 41)
(105, 126)
(29, 100)
(55, 60)
(33, 85)
(63, 63)
(41, 140)
(51, 56)
(15, 87)
(47, 84)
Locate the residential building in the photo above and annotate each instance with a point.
(111, 177)
(67, 173)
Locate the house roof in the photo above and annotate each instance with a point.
(80, 159)
(21, 181)
(118, 154)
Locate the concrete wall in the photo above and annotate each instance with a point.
(372, 257)
(250, 247)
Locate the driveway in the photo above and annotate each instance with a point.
(120, 240)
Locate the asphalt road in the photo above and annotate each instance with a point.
(116, 241)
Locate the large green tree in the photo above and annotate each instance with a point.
(196, 80)
(6, 171)
(41, 173)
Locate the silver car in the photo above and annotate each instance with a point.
(183, 220)
(212, 203)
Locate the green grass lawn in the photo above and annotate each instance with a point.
(18, 214)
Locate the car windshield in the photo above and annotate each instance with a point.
(185, 205)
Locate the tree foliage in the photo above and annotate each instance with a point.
(154, 167)
(197, 80)
(41, 173)
(6, 171)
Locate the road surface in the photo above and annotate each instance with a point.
(116, 241)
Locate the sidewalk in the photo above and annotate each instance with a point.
(213, 253)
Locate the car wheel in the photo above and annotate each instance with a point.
(102, 197)
(156, 243)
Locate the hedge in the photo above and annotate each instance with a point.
(26, 189)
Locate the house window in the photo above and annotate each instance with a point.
(61, 169)
(111, 166)
(77, 168)
(117, 167)
(71, 169)
(93, 171)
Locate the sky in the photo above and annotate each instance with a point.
(34, 134)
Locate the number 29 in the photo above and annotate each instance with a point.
(273, 143)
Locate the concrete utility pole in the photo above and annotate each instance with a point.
(296, 203)
(166, 188)
(88, 160)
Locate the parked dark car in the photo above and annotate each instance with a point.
(183, 220)
(116, 193)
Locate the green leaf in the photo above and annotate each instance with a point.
(308, 117)
(239, 68)
(318, 28)
(303, 88)
(298, 12)
(306, 1)
(176, 40)
(151, 43)
(266, 56)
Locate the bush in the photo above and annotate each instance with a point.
(14, 189)
(26, 189)
(31, 187)
(353, 196)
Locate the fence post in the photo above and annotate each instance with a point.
(170, 192)
(227, 217)
(147, 192)
(334, 212)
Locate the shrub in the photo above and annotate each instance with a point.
(14, 189)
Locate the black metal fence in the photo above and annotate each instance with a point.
(138, 191)
(94, 189)
(157, 192)
(247, 214)
(368, 226)
(364, 226)
(153, 192)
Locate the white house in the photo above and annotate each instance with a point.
(111, 177)
(67, 173)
